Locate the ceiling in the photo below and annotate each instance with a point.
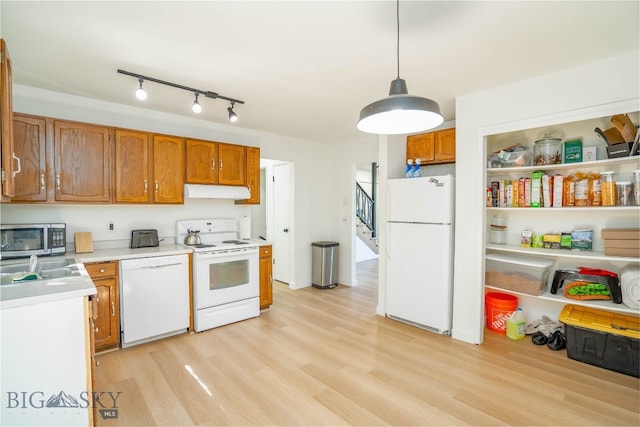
(304, 68)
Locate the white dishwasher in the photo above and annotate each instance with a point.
(154, 298)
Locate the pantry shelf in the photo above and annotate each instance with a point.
(559, 253)
(570, 208)
(596, 166)
(559, 298)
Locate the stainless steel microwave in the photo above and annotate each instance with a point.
(24, 240)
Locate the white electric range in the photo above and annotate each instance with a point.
(226, 278)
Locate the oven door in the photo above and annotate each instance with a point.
(225, 276)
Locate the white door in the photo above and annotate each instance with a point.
(282, 213)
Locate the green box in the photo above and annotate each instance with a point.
(573, 151)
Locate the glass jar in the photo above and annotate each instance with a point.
(547, 151)
(608, 188)
(498, 229)
(623, 190)
(636, 187)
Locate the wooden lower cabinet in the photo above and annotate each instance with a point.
(106, 313)
(266, 277)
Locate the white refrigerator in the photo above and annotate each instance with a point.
(419, 270)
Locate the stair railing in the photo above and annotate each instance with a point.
(365, 209)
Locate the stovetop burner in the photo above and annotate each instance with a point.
(235, 242)
(202, 246)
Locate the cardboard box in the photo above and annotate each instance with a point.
(620, 233)
(589, 154)
(622, 243)
(573, 151)
(581, 240)
(625, 252)
(602, 338)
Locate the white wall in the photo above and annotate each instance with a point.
(314, 201)
(603, 82)
(343, 199)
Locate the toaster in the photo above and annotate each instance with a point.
(144, 239)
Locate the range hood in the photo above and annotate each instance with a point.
(195, 191)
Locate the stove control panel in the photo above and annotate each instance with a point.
(205, 226)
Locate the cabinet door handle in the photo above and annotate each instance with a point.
(156, 182)
(19, 164)
(102, 270)
(96, 329)
(58, 181)
(113, 309)
(270, 279)
(220, 164)
(213, 164)
(146, 185)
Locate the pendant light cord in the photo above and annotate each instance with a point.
(398, 35)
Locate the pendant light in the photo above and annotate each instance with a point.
(399, 113)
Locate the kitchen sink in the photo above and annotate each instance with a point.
(48, 269)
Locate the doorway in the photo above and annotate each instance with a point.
(278, 216)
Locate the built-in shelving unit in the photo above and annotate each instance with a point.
(563, 219)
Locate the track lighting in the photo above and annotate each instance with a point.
(233, 117)
(141, 94)
(196, 105)
(399, 113)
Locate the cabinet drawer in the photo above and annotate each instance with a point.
(102, 269)
(265, 251)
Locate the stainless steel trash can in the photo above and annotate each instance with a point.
(324, 264)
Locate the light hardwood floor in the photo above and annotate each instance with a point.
(322, 357)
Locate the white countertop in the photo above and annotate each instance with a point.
(117, 254)
(43, 291)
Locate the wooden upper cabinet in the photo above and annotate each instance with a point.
(432, 148)
(253, 177)
(82, 156)
(202, 162)
(232, 164)
(29, 136)
(446, 145)
(132, 167)
(149, 168)
(421, 147)
(7, 156)
(168, 169)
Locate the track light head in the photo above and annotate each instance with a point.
(196, 105)
(141, 94)
(233, 117)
